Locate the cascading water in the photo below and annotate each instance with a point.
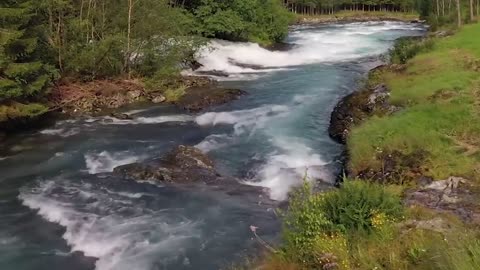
(63, 209)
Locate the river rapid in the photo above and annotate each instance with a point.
(61, 208)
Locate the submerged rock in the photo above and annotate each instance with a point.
(199, 98)
(121, 116)
(216, 73)
(188, 167)
(185, 164)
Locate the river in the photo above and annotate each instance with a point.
(62, 209)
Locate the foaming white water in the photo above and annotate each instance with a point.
(117, 232)
(106, 162)
(213, 142)
(343, 42)
(244, 120)
(107, 120)
(287, 167)
(61, 132)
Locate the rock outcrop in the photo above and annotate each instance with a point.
(198, 98)
(185, 164)
(455, 195)
(355, 108)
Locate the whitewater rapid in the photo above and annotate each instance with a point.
(310, 45)
(273, 137)
(292, 157)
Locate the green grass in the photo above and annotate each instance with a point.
(440, 95)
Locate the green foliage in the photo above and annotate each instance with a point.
(16, 110)
(315, 221)
(461, 256)
(406, 48)
(305, 222)
(362, 206)
(254, 20)
(22, 73)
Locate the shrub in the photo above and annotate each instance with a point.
(316, 223)
(360, 205)
(406, 48)
(304, 223)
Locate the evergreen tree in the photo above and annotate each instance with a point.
(22, 72)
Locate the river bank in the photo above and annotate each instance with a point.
(410, 136)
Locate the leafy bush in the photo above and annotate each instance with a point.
(315, 223)
(305, 222)
(406, 48)
(97, 59)
(241, 20)
(360, 205)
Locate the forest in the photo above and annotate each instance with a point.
(45, 40)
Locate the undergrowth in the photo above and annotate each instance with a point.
(321, 231)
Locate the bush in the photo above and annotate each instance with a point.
(263, 21)
(406, 48)
(316, 223)
(360, 205)
(305, 222)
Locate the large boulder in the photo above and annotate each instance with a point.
(185, 164)
(187, 167)
(200, 98)
(121, 116)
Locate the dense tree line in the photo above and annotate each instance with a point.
(42, 40)
(437, 11)
(317, 7)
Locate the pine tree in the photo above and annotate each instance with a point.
(22, 73)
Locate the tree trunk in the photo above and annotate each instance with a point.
(459, 14)
(129, 31)
(60, 43)
(478, 8)
(472, 17)
(438, 8)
